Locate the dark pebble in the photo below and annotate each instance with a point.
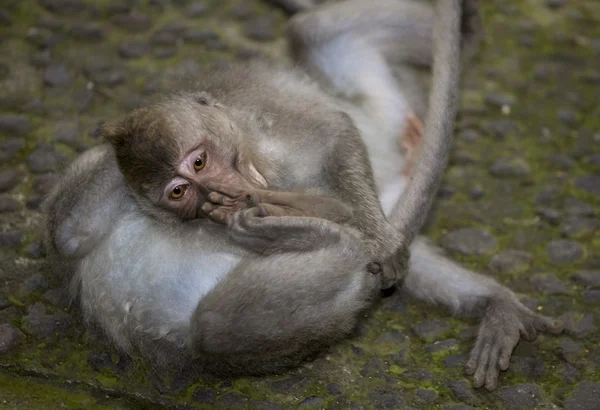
(521, 396)
(134, 49)
(67, 132)
(165, 52)
(462, 392)
(334, 389)
(63, 6)
(455, 361)
(196, 9)
(469, 135)
(550, 215)
(9, 338)
(426, 395)
(499, 100)
(578, 227)
(476, 193)
(8, 179)
(510, 168)
(561, 161)
(14, 124)
(7, 204)
(567, 116)
(241, 11)
(87, 32)
(589, 183)
(44, 183)
(548, 195)
(195, 35)
(289, 383)
(594, 161)
(134, 22)
(265, 405)
(555, 4)
(313, 401)
(6, 18)
(570, 351)
(41, 59)
(261, 28)
(57, 75)
(569, 373)
(11, 239)
(232, 400)
(470, 241)
(59, 297)
(501, 128)
(510, 261)
(164, 38)
(549, 284)
(382, 398)
(563, 252)
(99, 361)
(529, 367)
(418, 374)
(45, 159)
(44, 325)
(35, 282)
(592, 296)
(579, 327)
(588, 278)
(432, 329)
(103, 73)
(586, 396)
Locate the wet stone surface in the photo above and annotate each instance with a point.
(520, 202)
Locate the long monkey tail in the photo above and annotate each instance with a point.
(409, 214)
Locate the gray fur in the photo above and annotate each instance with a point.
(267, 292)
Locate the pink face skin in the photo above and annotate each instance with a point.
(186, 193)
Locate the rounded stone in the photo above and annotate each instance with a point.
(57, 75)
(11, 239)
(549, 284)
(588, 278)
(563, 252)
(586, 396)
(196, 9)
(432, 329)
(8, 179)
(134, 49)
(521, 396)
(7, 204)
(261, 28)
(500, 99)
(86, 32)
(9, 338)
(45, 159)
(510, 261)
(63, 6)
(312, 402)
(589, 183)
(501, 128)
(134, 22)
(510, 168)
(44, 325)
(470, 241)
(14, 124)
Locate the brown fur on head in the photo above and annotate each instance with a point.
(158, 150)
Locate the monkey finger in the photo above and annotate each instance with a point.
(228, 190)
(491, 378)
(471, 365)
(218, 198)
(220, 216)
(504, 360)
(550, 325)
(207, 208)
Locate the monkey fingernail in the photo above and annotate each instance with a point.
(374, 268)
(207, 208)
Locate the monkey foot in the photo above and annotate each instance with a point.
(506, 320)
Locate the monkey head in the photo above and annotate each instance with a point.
(169, 152)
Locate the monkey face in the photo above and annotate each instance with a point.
(170, 152)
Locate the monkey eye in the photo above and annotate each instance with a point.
(177, 192)
(200, 162)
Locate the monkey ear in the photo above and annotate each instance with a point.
(111, 132)
(204, 98)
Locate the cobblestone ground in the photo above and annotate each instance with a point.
(520, 202)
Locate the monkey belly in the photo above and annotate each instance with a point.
(143, 282)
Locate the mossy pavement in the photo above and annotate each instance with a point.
(520, 201)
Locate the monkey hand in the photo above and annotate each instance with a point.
(504, 322)
(390, 260)
(225, 200)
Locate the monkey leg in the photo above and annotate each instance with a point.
(271, 312)
(504, 320)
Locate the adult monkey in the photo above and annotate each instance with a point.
(176, 291)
